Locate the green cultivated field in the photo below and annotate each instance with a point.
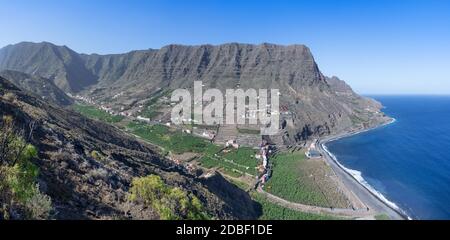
(382, 217)
(243, 160)
(297, 179)
(272, 211)
(171, 140)
(95, 113)
(227, 167)
(243, 155)
(175, 141)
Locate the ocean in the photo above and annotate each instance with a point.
(408, 161)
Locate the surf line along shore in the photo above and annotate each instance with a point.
(367, 194)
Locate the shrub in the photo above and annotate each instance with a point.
(97, 156)
(171, 203)
(148, 189)
(20, 179)
(10, 97)
(39, 205)
(18, 188)
(98, 173)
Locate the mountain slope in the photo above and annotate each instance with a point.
(84, 185)
(314, 103)
(57, 63)
(38, 85)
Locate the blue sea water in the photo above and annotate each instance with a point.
(407, 161)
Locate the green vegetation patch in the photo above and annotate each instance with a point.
(171, 203)
(273, 211)
(19, 190)
(249, 131)
(240, 184)
(291, 182)
(234, 163)
(151, 113)
(96, 113)
(382, 217)
(244, 156)
(172, 140)
(225, 167)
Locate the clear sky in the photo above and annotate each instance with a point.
(379, 46)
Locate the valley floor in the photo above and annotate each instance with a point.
(300, 188)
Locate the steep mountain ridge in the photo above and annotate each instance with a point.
(315, 105)
(222, 66)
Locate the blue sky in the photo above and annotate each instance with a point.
(387, 47)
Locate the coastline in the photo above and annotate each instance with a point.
(354, 182)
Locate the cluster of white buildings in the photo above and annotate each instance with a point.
(232, 143)
(118, 95)
(84, 99)
(103, 107)
(143, 119)
(185, 120)
(108, 110)
(253, 114)
(187, 131)
(208, 134)
(264, 152)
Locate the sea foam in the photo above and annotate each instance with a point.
(357, 175)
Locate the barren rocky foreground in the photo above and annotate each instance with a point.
(83, 185)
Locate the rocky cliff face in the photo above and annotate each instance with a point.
(223, 66)
(316, 105)
(87, 186)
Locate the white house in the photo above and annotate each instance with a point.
(143, 119)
